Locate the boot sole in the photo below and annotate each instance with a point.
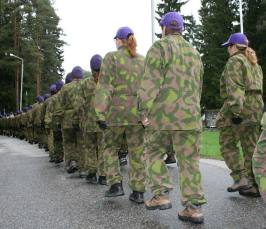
(92, 181)
(160, 207)
(72, 169)
(194, 220)
(137, 201)
(249, 194)
(238, 189)
(114, 194)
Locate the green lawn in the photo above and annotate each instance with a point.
(210, 147)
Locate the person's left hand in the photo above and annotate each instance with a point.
(146, 122)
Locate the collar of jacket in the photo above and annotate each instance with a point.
(236, 53)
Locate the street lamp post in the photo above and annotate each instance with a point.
(241, 17)
(21, 84)
(152, 22)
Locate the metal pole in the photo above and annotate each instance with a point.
(21, 86)
(152, 22)
(241, 17)
(22, 70)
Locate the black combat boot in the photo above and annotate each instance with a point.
(91, 178)
(73, 167)
(102, 180)
(136, 196)
(115, 190)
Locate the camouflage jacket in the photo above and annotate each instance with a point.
(116, 91)
(171, 86)
(65, 104)
(24, 119)
(50, 114)
(33, 113)
(263, 122)
(49, 111)
(39, 119)
(84, 113)
(241, 91)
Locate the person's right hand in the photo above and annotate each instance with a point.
(76, 127)
(102, 124)
(58, 127)
(237, 120)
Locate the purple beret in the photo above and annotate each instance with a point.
(40, 99)
(59, 85)
(172, 16)
(68, 78)
(46, 96)
(25, 108)
(77, 72)
(123, 33)
(96, 62)
(53, 88)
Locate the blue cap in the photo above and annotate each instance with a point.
(123, 33)
(96, 62)
(77, 72)
(68, 78)
(172, 17)
(237, 38)
(59, 84)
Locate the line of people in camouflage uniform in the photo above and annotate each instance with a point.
(146, 107)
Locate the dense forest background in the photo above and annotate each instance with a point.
(29, 30)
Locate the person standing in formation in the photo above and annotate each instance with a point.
(169, 108)
(239, 118)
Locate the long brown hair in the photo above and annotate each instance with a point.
(131, 44)
(248, 52)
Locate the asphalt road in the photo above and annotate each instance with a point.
(37, 194)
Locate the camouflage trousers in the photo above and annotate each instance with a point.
(31, 134)
(94, 153)
(186, 145)
(50, 143)
(74, 147)
(58, 145)
(259, 164)
(112, 141)
(123, 151)
(228, 140)
(26, 133)
(40, 135)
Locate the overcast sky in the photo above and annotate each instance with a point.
(90, 26)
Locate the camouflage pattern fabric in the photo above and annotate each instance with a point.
(186, 146)
(73, 146)
(116, 92)
(66, 103)
(113, 137)
(171, 86)
(49, 122)
(116, 104)
(70, 144)
(94, 154)
(169, 98)
(259, 160)
(228, 140)
(241, 90)
(81, 151)
(84, 115)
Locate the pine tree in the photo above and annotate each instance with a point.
(254, 23)
(36, 36)
(217, 24)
